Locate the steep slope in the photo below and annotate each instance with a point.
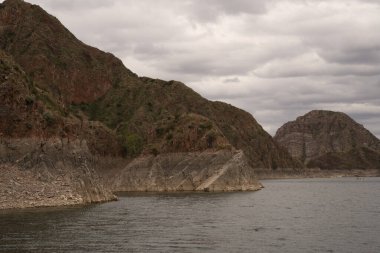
(59, 63)
(330, 140)
(41, 161)
(170, 117)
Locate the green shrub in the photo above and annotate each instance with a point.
(133, 144)
(49, 118)
(169, 136)
(205, 126)
(29, 100)
(160, 131)
(28, 125)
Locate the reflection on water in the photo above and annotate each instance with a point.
(309, 215)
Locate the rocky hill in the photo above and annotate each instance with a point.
(63, 66)
(55, 89)
(42, 162)
(330, 140)
(146, 113)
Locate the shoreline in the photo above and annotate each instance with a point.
(267, 177)
(317, 173)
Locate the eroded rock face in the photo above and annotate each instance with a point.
(223, 170)
(51, 172)
(321, 138)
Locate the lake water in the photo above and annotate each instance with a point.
(306, 215)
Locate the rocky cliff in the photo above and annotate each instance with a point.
(43, 162)
(50, 172)
(54, 87)
(330, 140)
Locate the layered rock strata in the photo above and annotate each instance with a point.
(330, 140)
(51, 172)
(222, 170)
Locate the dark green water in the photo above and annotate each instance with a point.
(307, 215)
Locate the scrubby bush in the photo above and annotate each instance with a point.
(205, 126)
(154, 151)
(169, 136)
(210, 138)
(29, 125)
(29, 100)
(49, 118)
(133, 144)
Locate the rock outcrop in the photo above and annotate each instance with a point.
(330, 140)
(225, 170)
(51, 172)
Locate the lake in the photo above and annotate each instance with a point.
(301, 215)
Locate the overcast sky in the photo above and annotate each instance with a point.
(276, 59)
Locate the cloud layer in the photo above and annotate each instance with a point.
(276, 59)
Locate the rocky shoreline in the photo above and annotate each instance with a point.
(53, 172)
(63, 172)
(22, 187)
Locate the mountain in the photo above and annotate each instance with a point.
(330, 140)
(60, 91)
(148, 111)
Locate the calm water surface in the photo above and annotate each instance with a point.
(307, 215)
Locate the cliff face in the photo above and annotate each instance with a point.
(330, 140)
(42, 161)
(50, 172)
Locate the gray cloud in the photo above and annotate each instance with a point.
(70, 5)
(207, 11)
(231, 80)
(365, 56)
(277, 59)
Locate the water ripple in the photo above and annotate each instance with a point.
(308, 215)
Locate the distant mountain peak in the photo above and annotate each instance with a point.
(318, 133)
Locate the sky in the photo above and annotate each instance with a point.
(277, 59)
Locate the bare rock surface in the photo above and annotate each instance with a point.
(222, 170)
(52, 172)
(330, 140)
